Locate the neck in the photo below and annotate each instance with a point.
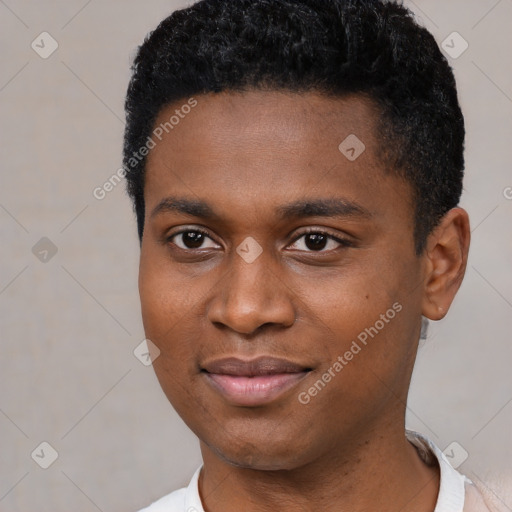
(377, 470)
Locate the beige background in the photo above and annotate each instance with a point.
(69, 325)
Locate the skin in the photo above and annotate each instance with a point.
(245, 155)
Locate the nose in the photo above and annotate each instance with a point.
(250, 296)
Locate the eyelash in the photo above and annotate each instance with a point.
(344, 243)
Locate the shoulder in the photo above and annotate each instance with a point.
(183, 500)
(491, 496)
(456, 491)
(173, 502)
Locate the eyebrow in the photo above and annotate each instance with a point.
(323, 208)
(192, 207)
(304, 208)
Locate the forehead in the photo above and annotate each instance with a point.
(266, 145)
(263, 127)
(236, 118)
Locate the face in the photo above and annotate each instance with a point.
(278, 276)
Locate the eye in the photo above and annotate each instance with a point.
(318, 241)
(191, 239)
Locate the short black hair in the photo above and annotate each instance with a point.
(338, 47)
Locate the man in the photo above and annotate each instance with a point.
(295, 167)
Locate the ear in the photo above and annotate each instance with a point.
(446, 257)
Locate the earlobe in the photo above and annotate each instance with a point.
(446, 259)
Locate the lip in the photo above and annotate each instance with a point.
(253, 382)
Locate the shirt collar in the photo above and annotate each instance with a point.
(451, 488)
(452, 483)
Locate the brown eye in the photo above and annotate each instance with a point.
(318, 241)
(192, 239)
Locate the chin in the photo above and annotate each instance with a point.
(258, 461)
(260, 454)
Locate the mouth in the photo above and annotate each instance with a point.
(253, 382)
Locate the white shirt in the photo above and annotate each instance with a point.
(456, 492)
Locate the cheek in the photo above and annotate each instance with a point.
(164, 316)
(370, 306)
(158, 308)
(170, 314)
(348, 300)
(163, 296)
